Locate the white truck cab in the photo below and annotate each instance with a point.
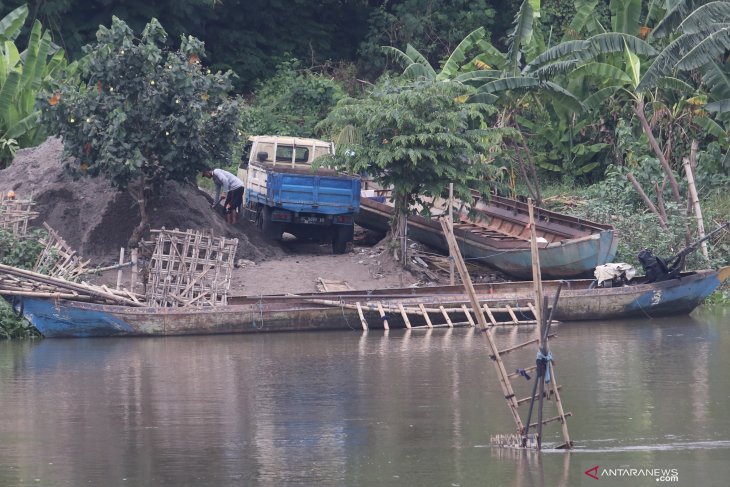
(274, 149)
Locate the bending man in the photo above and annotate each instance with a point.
(233, 188)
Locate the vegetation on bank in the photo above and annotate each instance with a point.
(22, 253)
(594, 107)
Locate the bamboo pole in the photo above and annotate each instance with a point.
(383, 316)
(446, 317)
(62, 283)
(404, 315)
(133, 281)
(536, 272)
(425, 316)
(468, 315)
(505, 384)
(362, 316)
(451, 223)
(695, 200)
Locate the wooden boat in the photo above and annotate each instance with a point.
(579, 300)
(495, 232)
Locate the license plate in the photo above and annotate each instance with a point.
(311, 220)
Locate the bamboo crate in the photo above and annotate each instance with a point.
(190, 269)
(15, 214)
(58, 259)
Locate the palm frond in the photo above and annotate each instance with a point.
(554, 69)
(519, 36)
(674, 17)
(615, 42)
(510, 83)
(602, 71)
(717, 78)
(707, 50)
(625, 16)
(596, 99)
(710, 126)
(11, 24)
(720, 106)
(568, 48)
(476, 76)
(486, 98)
(452, 65)
(665, 63)
(583, 11)
(711, 13)
(671, 83)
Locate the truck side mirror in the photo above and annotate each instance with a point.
(262, 156)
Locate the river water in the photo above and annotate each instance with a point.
(365, 409)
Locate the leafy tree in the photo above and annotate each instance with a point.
(22, 75)
(143, 114)
(416, 138)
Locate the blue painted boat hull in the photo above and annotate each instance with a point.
(566, 256)
(332, 311)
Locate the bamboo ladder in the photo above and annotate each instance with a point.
(521, 437)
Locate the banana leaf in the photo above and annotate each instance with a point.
(11, 24)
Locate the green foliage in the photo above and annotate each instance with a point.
(142, 111)
(22, 75)
(249, 37)
(144, 114)
(21, 253)
(291, 103)
(417, 137)
(435, 27)
(614, 201)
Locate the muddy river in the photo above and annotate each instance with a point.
(650, 402)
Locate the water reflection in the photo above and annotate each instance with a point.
(362, 408)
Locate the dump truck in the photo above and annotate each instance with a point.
(284, 192)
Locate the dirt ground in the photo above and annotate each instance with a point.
(96, 220)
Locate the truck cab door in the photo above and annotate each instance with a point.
(243, 165)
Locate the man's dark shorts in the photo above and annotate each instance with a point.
(234, 198)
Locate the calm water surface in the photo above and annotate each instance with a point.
(353, 409)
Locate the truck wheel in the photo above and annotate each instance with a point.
(342, 235)
(271, 230)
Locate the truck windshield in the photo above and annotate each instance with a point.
(284, 153)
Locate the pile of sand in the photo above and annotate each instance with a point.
(96, 220)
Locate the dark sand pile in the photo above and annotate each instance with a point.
(96, 220)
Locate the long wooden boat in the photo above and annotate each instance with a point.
(495, 232)
(579, 301)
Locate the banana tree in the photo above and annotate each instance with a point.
(22, 76)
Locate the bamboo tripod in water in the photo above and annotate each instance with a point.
(544, 366)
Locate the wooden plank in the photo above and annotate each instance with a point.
(546, 395)
(489, 313)
(446, 317)
(425, 316)
(404, 315)
(362, 316)
(522, 345)
(382, 315)
(526, 369)
(468, 314)
(512, 315)
(553, 419)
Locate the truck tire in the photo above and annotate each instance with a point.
(271, 230)
(342, 235)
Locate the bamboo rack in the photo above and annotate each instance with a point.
(190, 269)
(15, 214)
(58, 259)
